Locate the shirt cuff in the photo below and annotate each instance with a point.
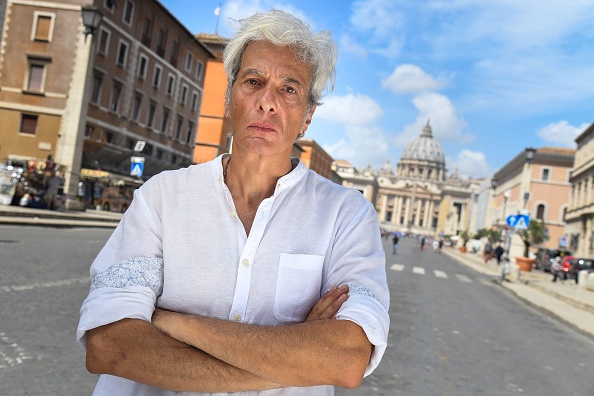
(368, 313)
(109, 304)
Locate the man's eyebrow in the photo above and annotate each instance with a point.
(256, 72)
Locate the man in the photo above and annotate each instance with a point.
(248, 258)
(395, 240)
(498, 253)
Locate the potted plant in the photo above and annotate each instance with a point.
(465, 236)
(536, 234)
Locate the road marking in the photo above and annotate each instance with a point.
(419, 270)
(397, 267)
(43, 285)
(463, 278)
(440, 274)
(10, 353)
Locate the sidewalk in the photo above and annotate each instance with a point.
(16, 215)
(565, 300)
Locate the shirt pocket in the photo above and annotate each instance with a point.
(298, 286)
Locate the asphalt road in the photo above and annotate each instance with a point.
(453, 331)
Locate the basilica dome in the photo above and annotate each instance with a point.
(424, 148)
(423, 158)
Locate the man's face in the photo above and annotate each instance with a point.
(269, 100)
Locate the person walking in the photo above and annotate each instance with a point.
(210, 284)
(395, 240)
(556, 268)
(498, 254)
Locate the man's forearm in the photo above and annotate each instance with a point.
(320, 352)
(136, 350)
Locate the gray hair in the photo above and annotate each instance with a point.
(317, 50)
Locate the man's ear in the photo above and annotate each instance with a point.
(308, 118)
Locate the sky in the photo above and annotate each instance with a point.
(492, 76)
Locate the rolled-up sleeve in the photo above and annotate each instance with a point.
(128, 289)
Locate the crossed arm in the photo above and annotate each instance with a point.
(191, 353)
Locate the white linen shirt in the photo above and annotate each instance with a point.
(181, 246)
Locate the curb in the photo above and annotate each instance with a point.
(55, 222)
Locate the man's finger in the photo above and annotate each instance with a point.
(329, 304)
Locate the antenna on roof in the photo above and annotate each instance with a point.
(217, 12)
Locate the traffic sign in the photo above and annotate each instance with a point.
(137, 167)
(519, 222)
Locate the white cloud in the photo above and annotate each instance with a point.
(348, 44)
(561, 133)
(351, 109)
(383, 22)
(364, 146)
(444, 120)
(410, 78)
(470, 164)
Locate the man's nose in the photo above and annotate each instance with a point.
(267, 100)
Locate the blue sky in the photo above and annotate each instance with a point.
(493, 76)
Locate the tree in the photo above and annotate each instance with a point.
(536, 234)
(494, 235)
(465, 236)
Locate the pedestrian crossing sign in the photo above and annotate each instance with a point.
(137, 167)
(519, 222)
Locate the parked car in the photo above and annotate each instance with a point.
(580, 264)
(546, 256)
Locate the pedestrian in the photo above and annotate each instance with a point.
(556, 268)
(488, 251)
(422, 242)
(440, 247)
(51, 193)
(249, 272)
(498, 254)
(395, 240)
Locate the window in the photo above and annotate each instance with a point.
(545, 174)
(128, 12)
(146, 32)
(35, 77)
(89, 130)
(199, 70)
(165, 120)
(189, 61)
(103, 44)
(43, 27)
(180, 124)
(540, 212)
(151, 114)
(184, 94)
(122, 53)
(161, 39)
(159, 154)
(96, 92)
(142, 66)
(173, 55)
(109, 5)
(28, 124)
(108, 137)
(157, 76)
(190, 132)
(170, 84)
(136, 106)
(115, 96)
(195, 100)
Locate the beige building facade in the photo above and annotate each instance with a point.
(535, 182)
(579, 230)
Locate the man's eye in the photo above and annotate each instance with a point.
(291, 90)
(252, 81)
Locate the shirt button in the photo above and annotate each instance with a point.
(232, 213)
(220, 179)
(245, 262)
(237, 317)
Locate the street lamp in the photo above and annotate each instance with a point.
(91, 19)
(529, 154)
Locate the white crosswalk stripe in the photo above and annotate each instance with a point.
(437, 273)
(463, 278)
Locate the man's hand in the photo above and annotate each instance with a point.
(329, 304)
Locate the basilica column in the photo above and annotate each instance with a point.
(398, 210)
(384, 213)
(407, 212)
(427, 217)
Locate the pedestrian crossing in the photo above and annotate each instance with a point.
(423, 271)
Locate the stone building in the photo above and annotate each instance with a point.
(88, 101)
(579, 229)
(419, 196)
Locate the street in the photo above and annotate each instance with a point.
(453, 331)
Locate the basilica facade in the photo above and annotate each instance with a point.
(419, 196)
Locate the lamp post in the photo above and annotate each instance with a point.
(91, 17)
